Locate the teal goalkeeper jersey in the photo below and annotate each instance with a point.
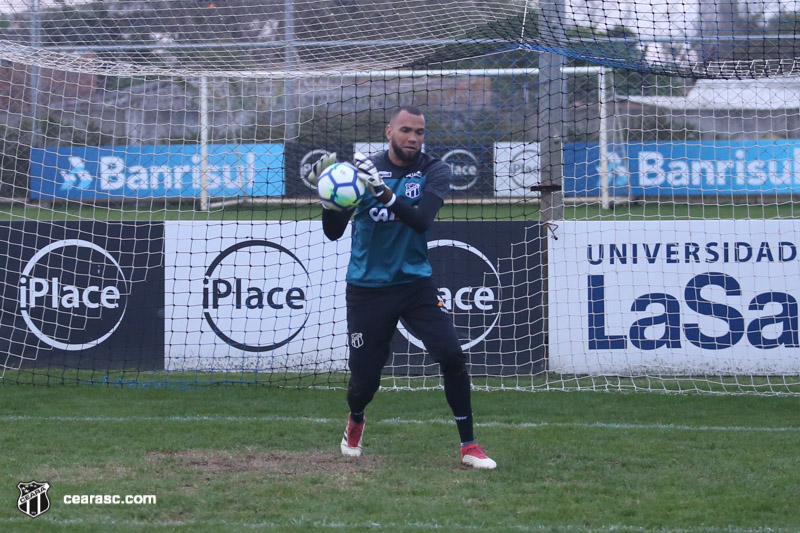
(385, 251)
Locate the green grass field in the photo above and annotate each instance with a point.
(250, 458)
(237, 457)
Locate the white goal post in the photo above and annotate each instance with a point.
(602, 102)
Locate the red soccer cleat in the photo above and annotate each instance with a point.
(473, 455)
(351, 442)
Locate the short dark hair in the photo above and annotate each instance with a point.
(408, 109)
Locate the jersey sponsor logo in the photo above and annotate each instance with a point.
(413, 190)
(72, 294)
(470, 292)
(464, 166)
(382, 214)
(255, 295)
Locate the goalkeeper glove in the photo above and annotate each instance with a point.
(319, 167)
(372, 179)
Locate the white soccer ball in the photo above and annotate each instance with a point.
(339, 187)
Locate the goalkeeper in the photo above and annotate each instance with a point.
(389, 276)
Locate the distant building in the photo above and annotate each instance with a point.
(736, 109)
(671, 54)
(57, 88)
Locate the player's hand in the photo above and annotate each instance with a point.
(369, 175)
(319, 167)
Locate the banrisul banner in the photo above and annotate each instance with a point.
(489, 276)
(675, 297)
(685, 168)
(159, 171)
(82, 294)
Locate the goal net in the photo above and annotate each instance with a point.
(620, 215)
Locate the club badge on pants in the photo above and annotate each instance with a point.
(356, 340)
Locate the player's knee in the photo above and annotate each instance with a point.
(454, 363)
(364, 388)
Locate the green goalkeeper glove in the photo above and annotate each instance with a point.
(319, 167)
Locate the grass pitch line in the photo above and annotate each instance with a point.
(394, 421)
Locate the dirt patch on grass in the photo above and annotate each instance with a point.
(82, 474)
(251, 461)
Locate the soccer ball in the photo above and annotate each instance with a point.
(339, 187)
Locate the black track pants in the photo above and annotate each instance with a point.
(372, 317)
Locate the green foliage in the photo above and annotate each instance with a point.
(750, 37)
(14, 158)
(658, 127)
(513, 36)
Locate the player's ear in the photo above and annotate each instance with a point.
(389, 131)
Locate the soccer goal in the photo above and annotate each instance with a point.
(620, 217)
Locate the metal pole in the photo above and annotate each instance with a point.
(290, 59)
(203, 143)
(36, 75)
(552, 112)
(603, 140)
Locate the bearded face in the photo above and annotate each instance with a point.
(406, 155)
(406, 134)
